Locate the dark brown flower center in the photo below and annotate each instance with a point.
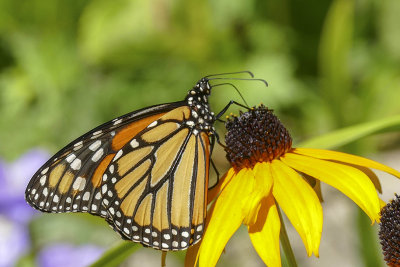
(389, 232)
(255, 136)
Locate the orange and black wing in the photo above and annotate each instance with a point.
(154, 189)
(71, 180)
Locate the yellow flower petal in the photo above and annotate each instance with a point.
(344, 157)
(263, 178)
(262, 187)
(264, 234)
(300, 203)
(226, 217)
(372, 176)
(315, 184)
(317, 189)
(350, 181)
(212, 193)
(382, 203)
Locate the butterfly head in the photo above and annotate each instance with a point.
(197, 100)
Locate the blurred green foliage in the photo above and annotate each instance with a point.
(67, 66)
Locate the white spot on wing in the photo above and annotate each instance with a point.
(111, 210)
(95, 145)
(134, 143)
(104, 189)
(70, 158)
(118, 121)
(185, 234)
(45, 192)
(43, 180)
(76, 164)
(79, 183)
(86, 196)
(97, 132)
(45, 170)
(99, 153)
(119, 154)
(79, 143)
(154, 123)
(190, 123)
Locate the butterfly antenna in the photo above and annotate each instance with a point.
(230, 73)
(237, 90)
(240, 79)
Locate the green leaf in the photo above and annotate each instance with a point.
(117, 255)
(347, 135)
(334, 51)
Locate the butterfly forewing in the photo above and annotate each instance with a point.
(145, 172)
(71, 180)
(155, 186)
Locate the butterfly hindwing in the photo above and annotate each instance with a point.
(145, 172)
(71, 180)
(155, 187)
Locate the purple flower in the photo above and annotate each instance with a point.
(66, 255)
(14, 241)
(13, 181)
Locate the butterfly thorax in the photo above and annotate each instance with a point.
(197, 99)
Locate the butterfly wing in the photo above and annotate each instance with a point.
(71, 180)
(155, 187)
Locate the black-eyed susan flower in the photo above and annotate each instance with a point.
(267, 171)
(389, 232)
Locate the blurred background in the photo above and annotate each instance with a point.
(68, 66)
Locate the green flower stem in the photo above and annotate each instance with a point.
(117, 255)
(287, 248)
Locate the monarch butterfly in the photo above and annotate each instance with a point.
(145, 172)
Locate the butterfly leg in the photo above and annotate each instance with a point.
(216, 172)
(214, 137)
(227, 106)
